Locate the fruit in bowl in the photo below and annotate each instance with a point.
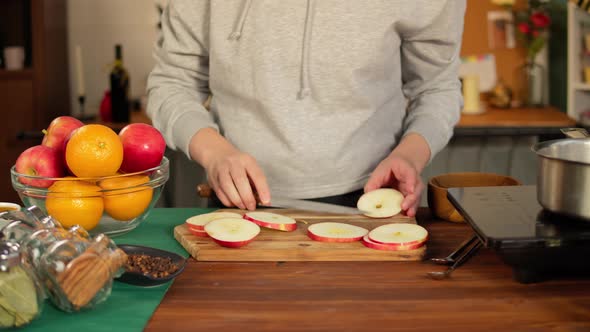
(84, 182)
(112, 204)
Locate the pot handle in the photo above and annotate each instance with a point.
(575, 132)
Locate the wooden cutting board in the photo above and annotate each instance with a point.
(273, 245)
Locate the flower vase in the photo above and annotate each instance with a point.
(534, 83)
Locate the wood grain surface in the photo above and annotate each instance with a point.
(372, 296)
(272, 245)
(518, 117)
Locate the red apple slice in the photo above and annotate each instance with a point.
(198, 222)
(381, 246)
(272, 220)
(401, 234)
(380, 203)
(197, 232)
(335, 232)
(232, 232)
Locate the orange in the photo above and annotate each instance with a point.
(126, 197)
(93, 151)
(74, 202)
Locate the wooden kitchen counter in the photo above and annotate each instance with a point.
(516, 121)
(367, 296)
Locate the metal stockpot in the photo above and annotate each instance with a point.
(563, 178)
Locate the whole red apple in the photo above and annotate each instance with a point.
(59, 129)
(143, 147)
(39, 160)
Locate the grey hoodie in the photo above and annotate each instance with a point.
(318, 91)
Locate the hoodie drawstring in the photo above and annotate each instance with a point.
(305, 89)
(237, 33)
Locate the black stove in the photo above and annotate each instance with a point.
(536, 243)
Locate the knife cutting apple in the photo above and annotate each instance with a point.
(379, 203)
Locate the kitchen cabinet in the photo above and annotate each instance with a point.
(30, 98)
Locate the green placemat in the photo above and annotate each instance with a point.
(129, 307)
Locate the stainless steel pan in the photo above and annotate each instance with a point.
(563, 178)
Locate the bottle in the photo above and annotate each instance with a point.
(119, 88)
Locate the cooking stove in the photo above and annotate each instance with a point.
(536, 243)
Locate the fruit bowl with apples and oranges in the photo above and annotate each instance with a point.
(88, 175)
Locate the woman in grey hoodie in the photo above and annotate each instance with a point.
(309, 98)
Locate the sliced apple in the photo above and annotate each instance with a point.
(198, 222)
(367, 242)
(272, 220)
(197, 232)
(401, 234)
(232, 232)
(381, 203)
(335, 232)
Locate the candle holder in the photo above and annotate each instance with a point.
(82, 116)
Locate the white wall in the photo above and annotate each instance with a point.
(96, 26)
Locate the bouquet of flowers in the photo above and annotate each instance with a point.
(533, 26)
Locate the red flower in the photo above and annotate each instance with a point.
(536, 33)
(524, 28)
(540, 20)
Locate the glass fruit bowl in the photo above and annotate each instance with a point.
(111, 205)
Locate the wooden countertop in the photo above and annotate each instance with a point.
(370, 296)
(518, 117)
(517, 121)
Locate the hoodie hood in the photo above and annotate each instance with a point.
(304, 89)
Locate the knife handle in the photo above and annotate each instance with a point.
(204, 190)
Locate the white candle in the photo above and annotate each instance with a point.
(80, 71)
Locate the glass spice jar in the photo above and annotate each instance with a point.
(21, 294)
(79, 275)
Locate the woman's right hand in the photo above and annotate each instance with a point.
(233, 174)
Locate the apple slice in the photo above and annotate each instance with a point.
(367, 242)
(232, 232)
(335, 232)
(197, 232)
(401, 234)
(272, 220)
(380, 203)
(198, 222)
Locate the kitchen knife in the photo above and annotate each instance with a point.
(204, 190)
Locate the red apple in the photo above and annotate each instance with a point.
(143, 147)
(367, 242)
(197, 232)
(40, 160)
(59, 130)
(232, 232)
(272, 220)
(399, 234)
(381, 203)
(199, 221)
(335, 232)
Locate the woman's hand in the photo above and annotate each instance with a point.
(401, 170)
(234, 176)
(397, 172)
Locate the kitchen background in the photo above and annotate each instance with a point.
(56, 30)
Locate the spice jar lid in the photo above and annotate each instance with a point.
(9, 255)
(42, 218)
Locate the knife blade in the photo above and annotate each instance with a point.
(300, 204)
(204, 190)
